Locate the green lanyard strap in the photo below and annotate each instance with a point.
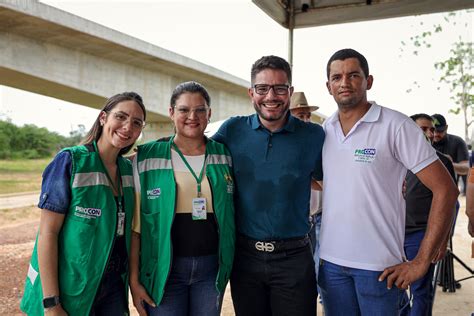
(198, 179)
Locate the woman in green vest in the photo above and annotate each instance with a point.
(183, 232)
(79, 263)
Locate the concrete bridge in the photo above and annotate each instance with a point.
(54, 53)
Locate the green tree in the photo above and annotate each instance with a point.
(76, 135)
(9, 131)
(457, 70)
(30, 141)
(6, 131)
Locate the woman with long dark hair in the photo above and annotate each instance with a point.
(79, 263)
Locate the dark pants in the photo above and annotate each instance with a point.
(282, 282)
(110, 298)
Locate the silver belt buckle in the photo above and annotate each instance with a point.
(264, 246)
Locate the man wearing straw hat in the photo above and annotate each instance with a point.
(299, 107)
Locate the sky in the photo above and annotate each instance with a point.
(231, 34)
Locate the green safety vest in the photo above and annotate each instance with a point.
(87, 236)
(158, 199)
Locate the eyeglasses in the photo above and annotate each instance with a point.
(123, 117)
(278, 89)
(186, 112)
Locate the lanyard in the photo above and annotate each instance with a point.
(119, 180)
(198, 179)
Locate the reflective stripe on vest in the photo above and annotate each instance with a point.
(89, 179)
(154, 164)
(127, 181)
(219, 160)
(98, 178)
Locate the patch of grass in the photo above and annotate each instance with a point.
(24, 165)
(24, 175)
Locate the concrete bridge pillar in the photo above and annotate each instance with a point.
(155, 130)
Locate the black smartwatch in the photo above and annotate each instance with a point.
(51, 301)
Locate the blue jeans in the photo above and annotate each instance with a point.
(422, 289)
(190, 289)
(317, 229)
(350, 291)
(314, 236)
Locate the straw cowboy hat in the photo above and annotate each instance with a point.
(298, 101)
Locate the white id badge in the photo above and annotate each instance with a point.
(199, 209)
(120, 223)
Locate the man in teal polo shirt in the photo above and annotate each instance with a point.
(275, 157)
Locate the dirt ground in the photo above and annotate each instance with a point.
(18, 230)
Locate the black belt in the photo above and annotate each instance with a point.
(272, 245)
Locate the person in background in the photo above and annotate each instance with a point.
(183, 231)
(470, 208)
(451, 145)
(418, 200)
(366, 155)
(470, 203)
(79, 262)
(300, 108)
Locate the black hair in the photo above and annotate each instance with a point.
(96, 130)
(346, 53)
(189, 87)
(270, 62)
(418, 116)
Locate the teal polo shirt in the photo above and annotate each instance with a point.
(272, 172)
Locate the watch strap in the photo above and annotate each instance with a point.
(51, 301)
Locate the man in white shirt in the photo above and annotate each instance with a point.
(366, 155)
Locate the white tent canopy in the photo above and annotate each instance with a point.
(309, 13)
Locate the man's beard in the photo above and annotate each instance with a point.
(442, 141)
(260, 113)
(348, 103)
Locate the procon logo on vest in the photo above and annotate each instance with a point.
(87, 212)
(153, 193)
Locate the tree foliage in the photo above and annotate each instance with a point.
(422, 40)
(31, 142)
(457, 70)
